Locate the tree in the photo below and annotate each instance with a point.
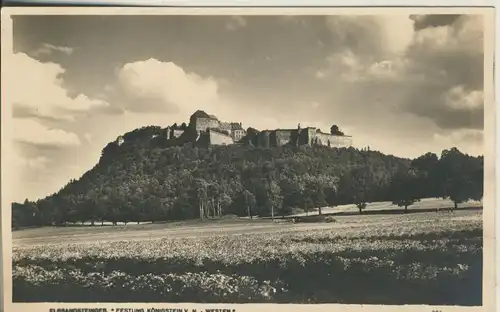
(404, 189)
(427, 173)
(225, 202)
(317, 193)
(307, 203)
(274, 200)
(249, 198)
(355, 186)
(460, 176)
(335, 130)
(201, 191)
(477, 175)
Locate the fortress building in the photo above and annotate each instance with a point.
(206, 130)
(302, 136)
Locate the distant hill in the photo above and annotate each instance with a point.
(145, 179)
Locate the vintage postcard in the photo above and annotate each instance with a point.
(242, 159)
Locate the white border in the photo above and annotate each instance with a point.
(268, 3)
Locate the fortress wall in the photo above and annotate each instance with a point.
(217, 138)
(263, 139)
(167, 131)
(340, 141)
(283, 137)
(345, 141)
(177, 133)
(311, 136)
(203, 139)
(334, 140)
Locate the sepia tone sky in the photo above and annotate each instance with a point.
(404, 85)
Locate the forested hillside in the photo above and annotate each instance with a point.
(145, 180)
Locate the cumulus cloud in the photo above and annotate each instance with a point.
(450, 59)
(372, 36)
(469, 141)
(236, 22)
(32, 132)
(88, 137)
(37, 91)
(36, 163)
(454, 51)
(435, 72)
(154, 86)
(460, 99)
(430, 20)
(47, 49)
(43, 116)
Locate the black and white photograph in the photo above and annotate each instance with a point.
(250, 156)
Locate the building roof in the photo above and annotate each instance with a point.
(283, 130)
(200, 114)
(236, 126)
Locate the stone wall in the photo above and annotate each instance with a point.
(177, 133)
(326, 139)
(282, 136)
(167, 132)
(308, 136)
(217, 138)
(263, 139)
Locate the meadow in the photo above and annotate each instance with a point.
(421, 258)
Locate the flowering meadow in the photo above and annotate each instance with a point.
(429, 259)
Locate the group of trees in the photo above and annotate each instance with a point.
(455, 176)
(146, 183)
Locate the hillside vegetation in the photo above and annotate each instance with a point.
(149, 179)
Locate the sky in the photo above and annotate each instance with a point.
(401, 84)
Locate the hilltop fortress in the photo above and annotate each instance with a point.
(206, 130)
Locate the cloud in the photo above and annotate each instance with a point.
(236, 22)
(453, 52)
(37, 91)
(469, 141)
(449, 60)
(320, 74)
(154, 86)
(426, 21)
(460, 99)
(88, 137)
(45, 124)
(36, 163)
(371, 36)
(434, 73)
(47, 49)
(32, 132)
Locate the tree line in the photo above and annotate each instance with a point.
(140, 182)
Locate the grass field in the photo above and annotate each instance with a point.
(422, 258)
